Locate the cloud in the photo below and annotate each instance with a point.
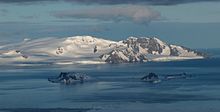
(134, 13)
(113, 2)
(148, 2)
(3, 12)
(29, 17)
(22, 1)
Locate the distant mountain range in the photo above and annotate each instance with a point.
(92, 50)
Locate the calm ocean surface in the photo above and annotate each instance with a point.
(113, 88)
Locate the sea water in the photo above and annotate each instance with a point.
(113, 87)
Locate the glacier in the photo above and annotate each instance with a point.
(93, 50)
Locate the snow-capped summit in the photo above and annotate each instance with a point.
(84, 46)
(88, 40)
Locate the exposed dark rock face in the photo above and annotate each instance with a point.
(151, 44)
(114, 57)
(173, 51)
(154, 46)
(195, 51)
(138, 48)
(123, 56)
(59, 50)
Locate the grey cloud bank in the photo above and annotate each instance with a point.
(134, 13)
(149, 2)
(112, 2)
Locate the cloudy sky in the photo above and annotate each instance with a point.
(193, 23)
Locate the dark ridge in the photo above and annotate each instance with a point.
(154, 46)
(173, 51)
(197, 52)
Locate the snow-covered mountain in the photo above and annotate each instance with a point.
(149, 49)
(88, 49)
